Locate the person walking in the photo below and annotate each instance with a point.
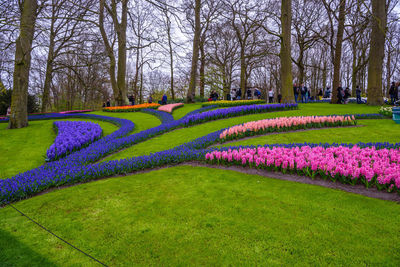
(131, 99)
(164, 99)
(340, 94)
(392, 93)
(346, 95)
(295, 92)
(249, 94)
(327, 92)
(320, 94)
(271, 96)
(303, 91)
(358, 94)
(239, 94)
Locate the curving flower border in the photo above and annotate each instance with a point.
(170, 107)
(76, 167)
(133, 108)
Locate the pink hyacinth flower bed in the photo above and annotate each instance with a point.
(285, 124)
(370, 166)
(170, 107)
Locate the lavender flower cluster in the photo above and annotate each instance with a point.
(71, 136)
(75, 167)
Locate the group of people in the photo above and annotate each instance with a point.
(213, 96)
(394, 92)
(343, 95)
(303, 91)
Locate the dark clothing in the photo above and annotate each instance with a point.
(393, 92)
(132, 100)
(108, 103)
(164, 100)
(248, 93)
(303, 91)
(239, 94)
(340, 95)
(327, 93)
(279, 98)
(150, 100)
(358, 95)
(296, 93)
(346, 95)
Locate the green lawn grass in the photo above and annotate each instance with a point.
(142, 121)
(200, 216)
(183, 135)
(24, 149)
(182, 111)
(372, 131)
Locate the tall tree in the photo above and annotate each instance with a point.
(19, 100)
(118, 83)
(338, 50)
(195, 56)
(376, 52)
(285, 54)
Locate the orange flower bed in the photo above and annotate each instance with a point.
(131, 108)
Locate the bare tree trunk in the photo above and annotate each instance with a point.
(195, 57)
(388, 76)
(19, 98)
(121, 72)
(49, 68)
(285, 53)
(118, 83)
(171, 56)
(377, 52)
(242, 70)
(202, 67)
(338, 51)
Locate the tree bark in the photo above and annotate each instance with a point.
(19, 98)
(195, 56)
(118, 83)
(121, 72)
(243, 70)
(49, 70)
(202, 68)
(338, 51)
(377, 52)
(171, 56)
(285, 53)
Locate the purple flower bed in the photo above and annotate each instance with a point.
(163, 116)
(71, 136)
(200, 110)
(75, 166)
(42, 178)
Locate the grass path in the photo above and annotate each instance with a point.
(199, 216)
(183, 135)
(24, 149)
(375, 131)
(180, 112)
(189, 215)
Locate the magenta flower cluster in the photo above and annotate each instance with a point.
(370, 166)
